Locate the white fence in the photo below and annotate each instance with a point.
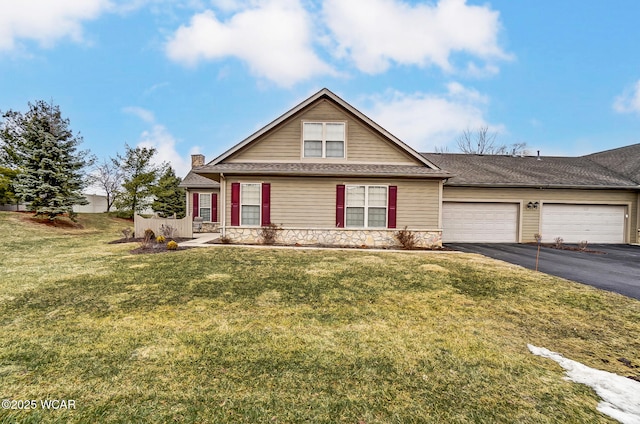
(183, 226)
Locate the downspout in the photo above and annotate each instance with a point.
(223, 203)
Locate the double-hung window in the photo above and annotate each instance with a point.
(205, 207)
(323, 139)
(366, 206)
(250, 204)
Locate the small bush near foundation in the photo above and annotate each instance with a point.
(148, 233)
(126, 232)
(538, 237)
(583, 245)
(172, 245)
(406, 238)
(160, 239)
(269, 233)
(558, 242)
(225, 240)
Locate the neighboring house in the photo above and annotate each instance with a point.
(202, 197)
(327, 174)
(97, 204)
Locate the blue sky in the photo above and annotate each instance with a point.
(198, 76)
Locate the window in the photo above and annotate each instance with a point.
(250, 204)
(366, 206)
(323, 139)
(205, 207)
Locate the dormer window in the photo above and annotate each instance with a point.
(323, 139)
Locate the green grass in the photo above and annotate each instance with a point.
(230, 334)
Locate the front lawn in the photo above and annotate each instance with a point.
(231, 334)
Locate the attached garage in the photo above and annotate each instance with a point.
(475, 222)
(575, 223)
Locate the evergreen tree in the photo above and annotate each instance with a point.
(7, 189)
(169, 198)
(43, 149)
(139, 176)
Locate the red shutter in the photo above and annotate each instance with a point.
(214, 207)
(393, 202)
(340, 206)
(266, 204)
(235, 204)
(196, 207)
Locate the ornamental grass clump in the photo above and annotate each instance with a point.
(160, 239)
(172, 245)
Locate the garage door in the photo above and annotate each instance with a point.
(479, 222)
(574, 223)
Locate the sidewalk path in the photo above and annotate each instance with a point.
(200, 240)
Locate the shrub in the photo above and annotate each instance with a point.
(269, 233)
(538, 237)
(126, 232)
(168, 231)
(406, 238)
(583, 245)
(225, 240)
(146, 240)
(160, 239)
(172, 245)
(558, 242)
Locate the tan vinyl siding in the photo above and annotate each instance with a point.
(531, 217)
(284, 143)
(299, 202)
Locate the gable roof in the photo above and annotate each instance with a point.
(528, 171)
(624, 160)
(323, 94)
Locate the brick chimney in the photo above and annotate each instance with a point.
(197, 160)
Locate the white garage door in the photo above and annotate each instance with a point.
(479, 222)
(574, 223)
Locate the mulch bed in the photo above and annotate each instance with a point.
(567, 247)
(332, 246)
(153, 247)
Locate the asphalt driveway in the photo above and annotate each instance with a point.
(616, 268)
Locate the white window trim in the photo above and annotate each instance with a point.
(242, 224)
(200, 205)
(366, 205)
(324, 141)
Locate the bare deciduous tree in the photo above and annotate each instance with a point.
(108, 177)
(483, 142)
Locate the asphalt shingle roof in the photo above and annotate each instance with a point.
(337, 169)
(193, 180)
(625, 160)
(527, 171)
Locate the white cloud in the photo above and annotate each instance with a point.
(46, 21)
(273, 37)
(159, 137)
(377, 33)
(629, 100)
(426, 120)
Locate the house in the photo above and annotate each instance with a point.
(325, 173)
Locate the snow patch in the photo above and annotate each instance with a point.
(620, 395)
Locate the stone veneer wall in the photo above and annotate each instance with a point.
(335, 236)
(206, 227)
